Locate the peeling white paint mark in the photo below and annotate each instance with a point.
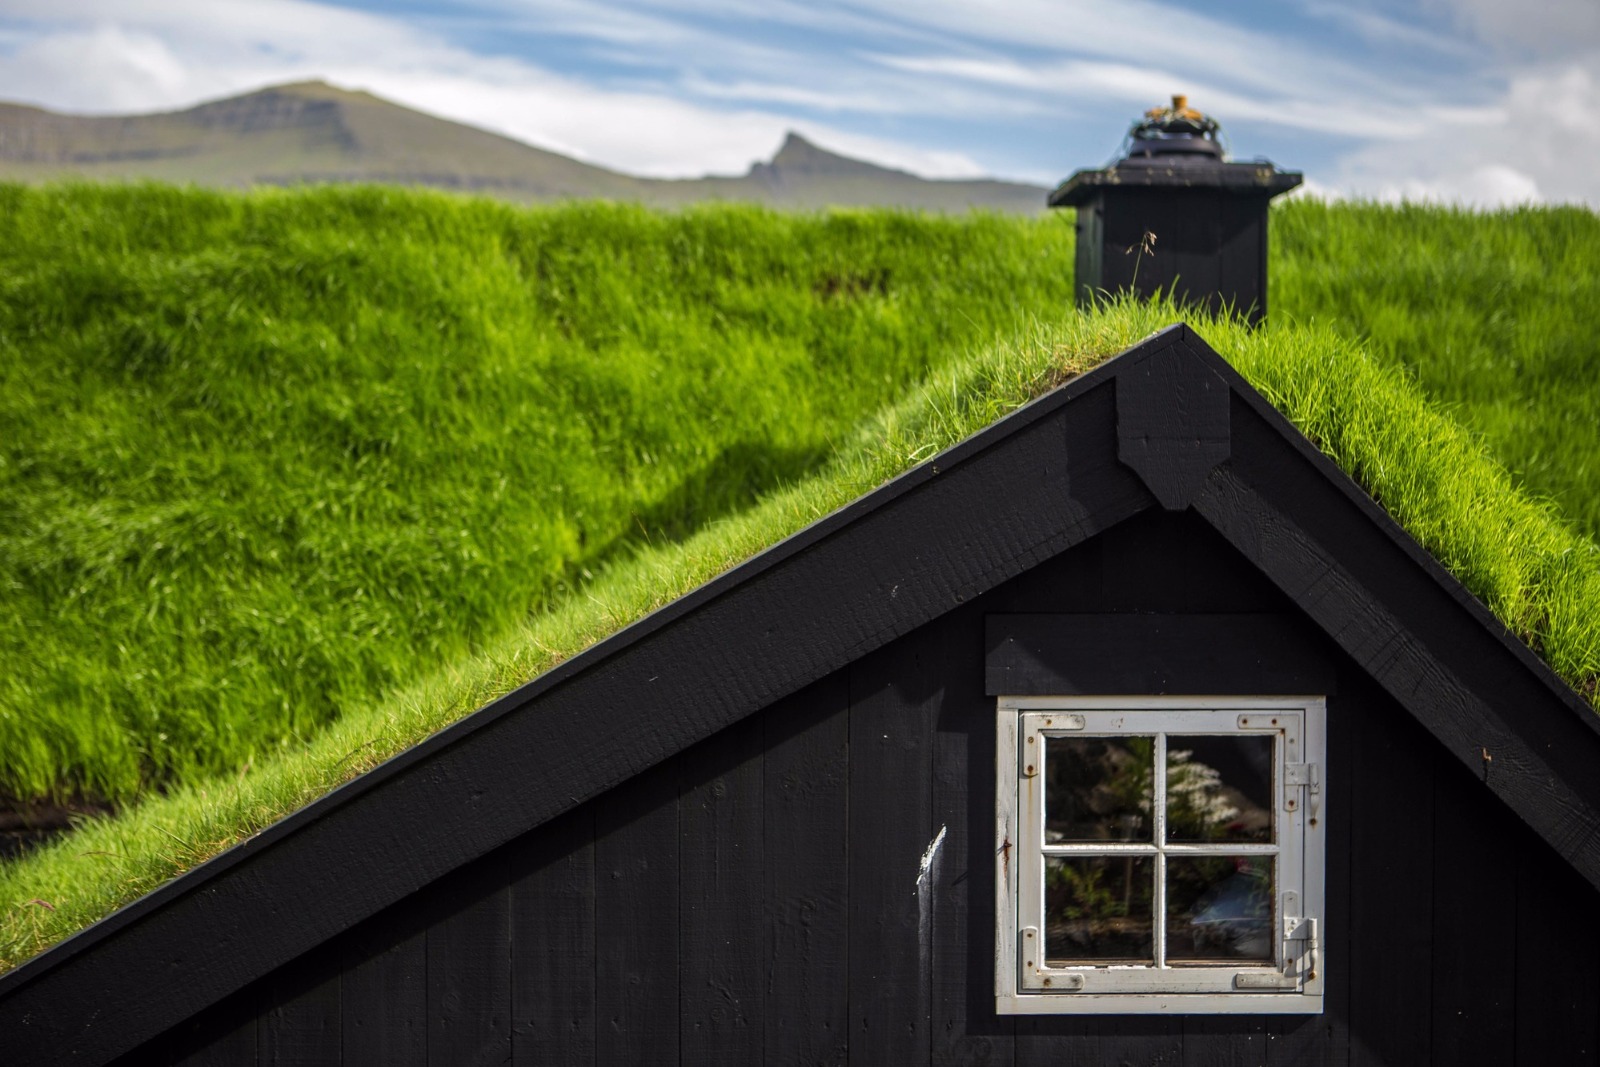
(929, 856)
(930, 862)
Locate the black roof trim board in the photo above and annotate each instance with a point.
(1166, 424)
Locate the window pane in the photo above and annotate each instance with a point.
(1099, 909)
(1219, 788)
(1098, 789)
(1219, 908)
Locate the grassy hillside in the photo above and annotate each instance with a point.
(267, 456)
(1498, 315)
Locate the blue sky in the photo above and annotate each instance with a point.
(1481, 101)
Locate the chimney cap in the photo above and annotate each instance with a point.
(1178, 130)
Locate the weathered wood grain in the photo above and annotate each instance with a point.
(1049, 654)
(1474, 920)
(384, 994)
(895, 848)
(1391, 908)
(637, 953)
(553, 925)
(722, 860)
(807, 778)
(302, 1024)
(1172, 422)
(965, 1027)
(469, 966)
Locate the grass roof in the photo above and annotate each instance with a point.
(1528, 565)
(268, 456)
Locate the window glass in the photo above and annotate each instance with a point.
(1098, 789)
(1099, 909)
(1219, 908)
(1219, 788)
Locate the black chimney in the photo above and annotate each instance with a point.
(1173, 214)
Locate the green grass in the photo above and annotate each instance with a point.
(1497, 314)
(1514, 552)
(289, 481)
(266, 457)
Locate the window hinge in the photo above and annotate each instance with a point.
(1300, 928)
(1300, 964)
(1296, 776)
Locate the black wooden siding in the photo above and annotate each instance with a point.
(756, 898)
(1209, 247)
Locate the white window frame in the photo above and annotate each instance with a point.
(1292, 983)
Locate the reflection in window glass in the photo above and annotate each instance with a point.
(1219, 788)
(1219, 908)
(1099, 909)
(1098, 789)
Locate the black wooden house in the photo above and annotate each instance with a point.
(830, 806)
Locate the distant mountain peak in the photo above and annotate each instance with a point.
(798, 157)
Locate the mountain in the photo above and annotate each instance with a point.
(311, 132)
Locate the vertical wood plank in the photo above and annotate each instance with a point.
(302, 1025)
(721, 869)
(1051, 1040)
(636, 909)
(894, 698)
(966, 1029)
(1224, 1041)
(806, 778)
(1474, 919)
(1391, 906)
(384, 992)
(553, 942)
(224, 1036)
(1148, 1040)
(469, 965)
(1557, 989)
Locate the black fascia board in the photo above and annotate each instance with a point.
(1032, 485)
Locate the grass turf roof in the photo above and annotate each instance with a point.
(269, 456)
(1516, 554)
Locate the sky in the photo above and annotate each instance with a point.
(1482, 102)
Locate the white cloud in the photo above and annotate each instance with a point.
(1164, 36)
(1539, 146)
(1491, 185)
(1545, 28)
(130, 66)
(639, 133)
(1386, 31)
(1297, 107)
